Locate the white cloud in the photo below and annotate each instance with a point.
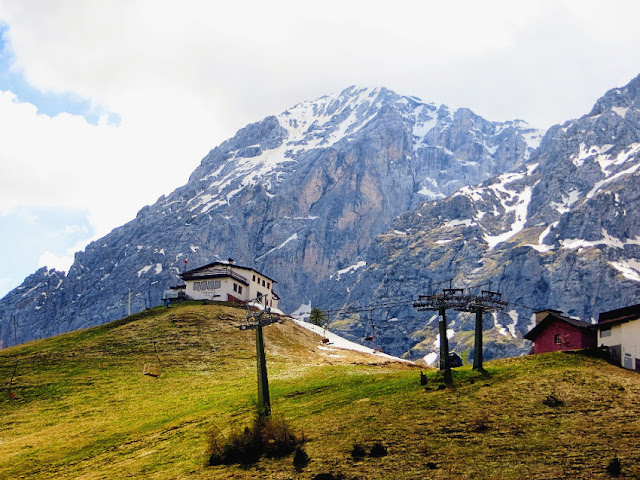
(62, 262)
(65, 161)
(76, 229)
(158, 63)
(59, 262)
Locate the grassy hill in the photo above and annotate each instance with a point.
(84, 409)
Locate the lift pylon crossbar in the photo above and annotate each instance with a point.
(454, 298)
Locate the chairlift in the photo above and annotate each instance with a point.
(372, 336)
(325, 340)
(151, 369)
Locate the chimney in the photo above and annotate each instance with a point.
(542, 314)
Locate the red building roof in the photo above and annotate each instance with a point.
(556, 332)
(549, 319)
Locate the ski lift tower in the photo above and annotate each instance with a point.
(456, 299)
(261, 318)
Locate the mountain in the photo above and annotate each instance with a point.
(300, 196)
(558, 231)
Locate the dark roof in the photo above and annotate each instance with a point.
(619, 315)
(221, 274)
(549, 310)
(189, 274)
(544, 323)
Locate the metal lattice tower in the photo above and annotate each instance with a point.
(261, 318)
(456, 299)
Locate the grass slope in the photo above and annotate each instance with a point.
(85, 410)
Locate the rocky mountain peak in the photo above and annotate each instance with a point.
(300, 196)
(619, 99)
(557, 232)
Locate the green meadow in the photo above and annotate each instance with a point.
(84, 409)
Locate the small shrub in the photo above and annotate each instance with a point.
(300, 458)
(241, 448)
(479, 424)
(358, 452)
(378, 450)
(276, 437)
(423, 379)
(328, 476)
(268, 436)
(614, 468)
(553, 401)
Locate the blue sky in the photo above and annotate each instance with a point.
(33, 235)
(106, 106)
(40, 235)
(49, 103)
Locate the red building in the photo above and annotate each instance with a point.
(554, 332)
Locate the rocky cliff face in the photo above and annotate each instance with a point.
(300, 196)
(560, 231)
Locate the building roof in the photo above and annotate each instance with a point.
(619, 315)
(224, 270)
(546, 321)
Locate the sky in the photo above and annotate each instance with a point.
(106, 106)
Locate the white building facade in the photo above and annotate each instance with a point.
(620, 331)
(228, 282)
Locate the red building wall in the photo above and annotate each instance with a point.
(570, 337)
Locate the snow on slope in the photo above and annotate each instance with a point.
(337, 342)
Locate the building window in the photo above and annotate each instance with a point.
(235, 287)
(239, 288)
(254, 278)
(557, 339)
(196, 285)
(263, 282)
(268, 284)
(605, 332)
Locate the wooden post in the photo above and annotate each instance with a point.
(444, 347)
(477, 349)
(264, 404)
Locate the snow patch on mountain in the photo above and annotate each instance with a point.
(630, 269)
(567, 202)
(607, 240)
(282, 245)
(511, 201)
(349, 270)
(601, 183)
